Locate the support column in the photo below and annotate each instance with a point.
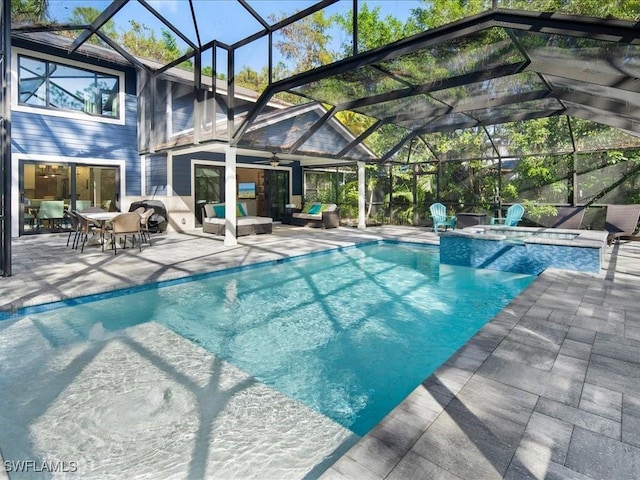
(362, 192)
(6, 170)
(230, 197)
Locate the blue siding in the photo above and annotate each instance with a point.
(41, 134)
(156, 175)
(182, 175)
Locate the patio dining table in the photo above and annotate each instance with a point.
(101, 218)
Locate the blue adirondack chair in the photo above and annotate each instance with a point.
(440, 217)
(514, 215)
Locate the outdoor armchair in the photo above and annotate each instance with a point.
(440, 217)
(514, 215)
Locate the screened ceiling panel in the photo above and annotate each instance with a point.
(608, 97)
(473, 53)
(386, 138)
(546, 106)
(491, 90)
(593, 113)
(462, 144)
(532, 137)
(416, 107)
(450, 122)
(285, 8)
(580, 56)
(145, 25)
(596, 136)
(420, 152)
(279, 130)
(359, 83)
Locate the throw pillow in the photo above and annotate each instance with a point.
(219, 209)
(315, 209)
(240, 212)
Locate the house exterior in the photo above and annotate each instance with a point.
(77, 140)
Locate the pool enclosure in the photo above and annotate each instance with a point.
(495, 104)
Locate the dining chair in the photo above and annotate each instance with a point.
(51, 211)
(144, 223)
(122, 226)
(75, 227)
(86, 226)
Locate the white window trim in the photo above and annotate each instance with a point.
(15, 101)
(16, 158)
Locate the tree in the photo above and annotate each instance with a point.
(86, 16)
(141, 41)
(373, 31)
(305, 42)
(30, 11)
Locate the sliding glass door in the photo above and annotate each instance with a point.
(49, 190)
(276, 183)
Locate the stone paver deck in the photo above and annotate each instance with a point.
(550, 388)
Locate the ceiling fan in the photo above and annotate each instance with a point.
(274, 161)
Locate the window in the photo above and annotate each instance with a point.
(47, 84)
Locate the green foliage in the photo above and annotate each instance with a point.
(86, 16)
(438, 13)
(141, 41)
(29, 11)
(537, 211)
(305, 42)
(373, 31)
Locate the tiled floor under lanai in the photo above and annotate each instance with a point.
(550, 388)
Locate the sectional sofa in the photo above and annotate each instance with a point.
(320, 215)
(213, 220)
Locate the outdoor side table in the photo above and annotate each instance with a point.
(469, 219)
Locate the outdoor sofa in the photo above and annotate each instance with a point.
(319, 215)
(213, 220)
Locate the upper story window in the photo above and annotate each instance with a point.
(48, 84)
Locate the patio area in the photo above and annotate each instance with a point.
(550, 388)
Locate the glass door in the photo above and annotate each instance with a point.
(45, 197)
(208, 187)
(96, 187)
(49, 190)
(276, 190)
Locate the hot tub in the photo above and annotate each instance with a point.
(524, 249)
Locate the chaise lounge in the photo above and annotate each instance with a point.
(213, 220)
(319, 215)
(621, 221)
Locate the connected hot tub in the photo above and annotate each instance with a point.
(524, 249)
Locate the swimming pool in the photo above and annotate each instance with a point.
(347, 334)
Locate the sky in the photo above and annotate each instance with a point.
(224, 20)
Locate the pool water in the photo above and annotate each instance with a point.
(349, 334)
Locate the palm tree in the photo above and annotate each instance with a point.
(30, 11)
